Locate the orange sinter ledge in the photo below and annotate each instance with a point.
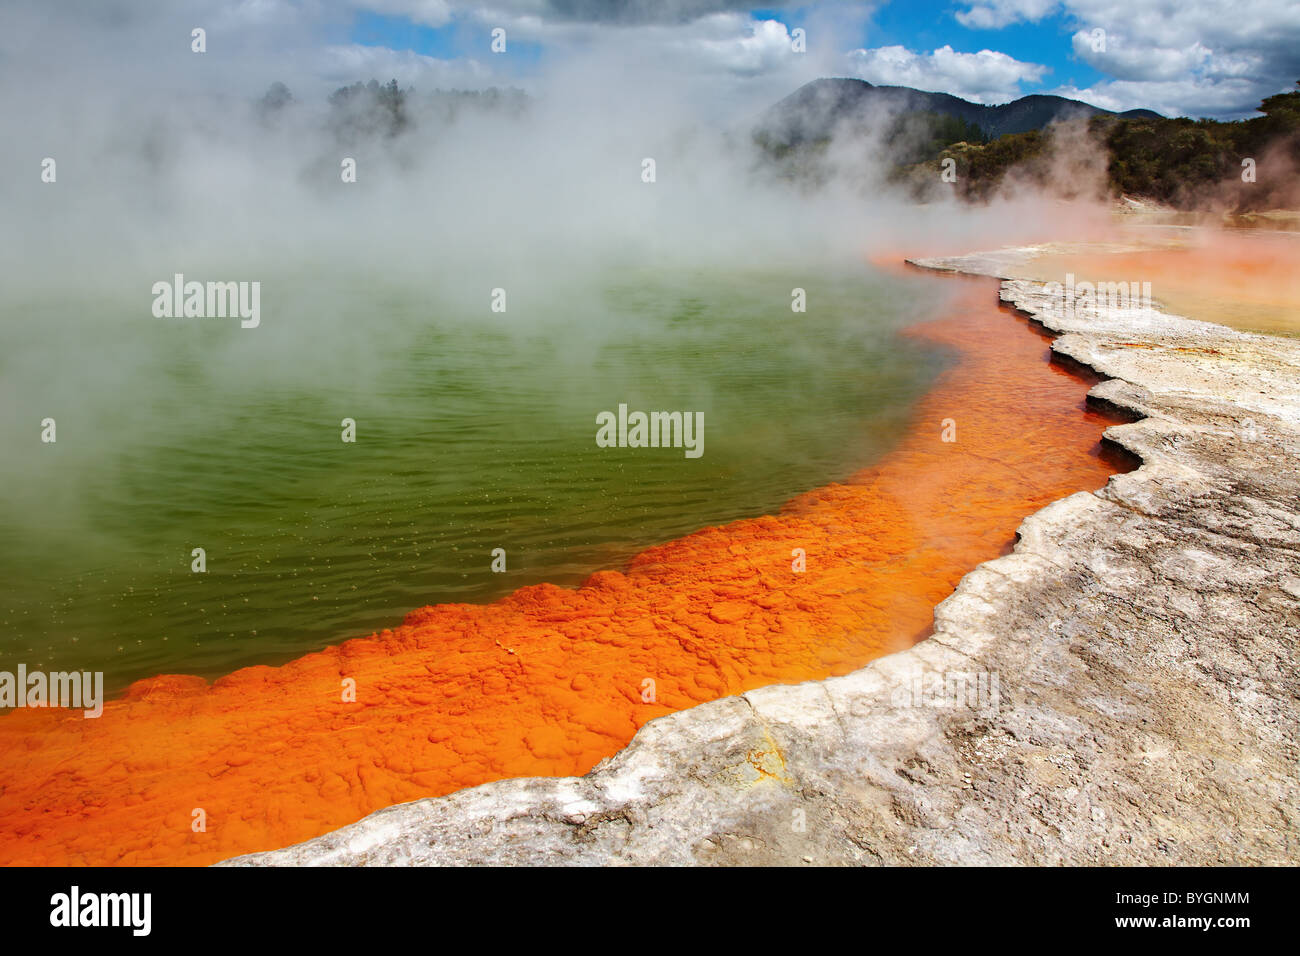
(550, 680)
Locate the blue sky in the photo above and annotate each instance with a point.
(460, 37)
(1215, 58)
(1047, 42)
(1180, 57)
(917, 25)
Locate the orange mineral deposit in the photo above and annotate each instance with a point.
(551, 680)
(1246, 280)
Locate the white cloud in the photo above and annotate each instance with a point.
(1124, 61)
(985, 77)
(1172, 98)
(429, 13)
(627, 12)
(754, 47)
(348, 63)
(996, 14)
(1186, 57)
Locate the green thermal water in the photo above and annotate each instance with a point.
(475, 431)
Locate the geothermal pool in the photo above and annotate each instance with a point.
(475, 431)
(549, 680)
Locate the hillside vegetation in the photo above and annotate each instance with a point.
(1184, 163)
(935, 144)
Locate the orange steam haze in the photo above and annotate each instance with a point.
(549, 680)
(1242, 279)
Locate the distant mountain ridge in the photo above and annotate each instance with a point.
(813, 111)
